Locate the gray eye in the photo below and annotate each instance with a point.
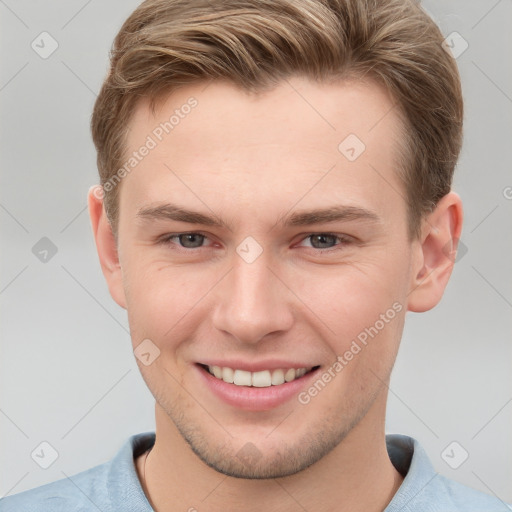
(191, 240)
(323, 241)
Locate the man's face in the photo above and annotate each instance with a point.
(266, 289)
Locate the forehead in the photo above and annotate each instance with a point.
(267, 147)
(220, 110)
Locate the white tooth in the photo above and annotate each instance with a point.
(217, 371)
(289, 375)
(261, 379)
(242, 378)
(300, 372)
(227, 375)
(277, 377)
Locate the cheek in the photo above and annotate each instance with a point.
(342, 303)
(365, 319)
(162, 300)
(352, 298)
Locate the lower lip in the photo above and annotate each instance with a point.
(252, 398)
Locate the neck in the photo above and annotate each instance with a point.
(356, 475)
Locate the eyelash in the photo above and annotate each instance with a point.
(342, 239)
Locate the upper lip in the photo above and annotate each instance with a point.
(257, 366)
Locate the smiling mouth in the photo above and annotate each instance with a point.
(261, 379)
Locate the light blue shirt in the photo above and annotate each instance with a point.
(114, 486)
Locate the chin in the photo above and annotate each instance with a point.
(264, 458)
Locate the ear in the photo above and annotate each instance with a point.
(435, 254)
(106, 245)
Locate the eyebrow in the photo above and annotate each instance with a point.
(335, 213)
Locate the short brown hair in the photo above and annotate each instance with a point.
(166, 44)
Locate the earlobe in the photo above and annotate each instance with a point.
(436, 252)
(106, 246)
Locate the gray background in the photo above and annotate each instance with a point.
(67, 372)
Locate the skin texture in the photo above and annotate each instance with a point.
(251, 160)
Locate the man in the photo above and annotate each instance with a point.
(275, 197)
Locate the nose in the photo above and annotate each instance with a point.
(252, 301)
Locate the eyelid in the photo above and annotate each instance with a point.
(342, 238)
(166, 239)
